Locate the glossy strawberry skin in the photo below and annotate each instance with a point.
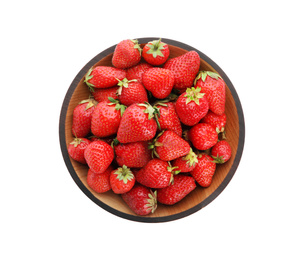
(137, 71)
(77, 148)
(185, 163)
(120, 186)
(159, 59)
(217, 121)
(159, 82)
(185, 69)
(221, 151)
(134, 93)
(181, 187)
(99, 182)
(203, 136)
(135, 154)
(204, 170)
(102, 94)
(99, 155)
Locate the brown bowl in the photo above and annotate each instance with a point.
(198, 198)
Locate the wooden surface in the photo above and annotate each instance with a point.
(197, 199)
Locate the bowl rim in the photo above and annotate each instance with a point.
(85, 190)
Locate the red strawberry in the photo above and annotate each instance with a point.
(217, 121)
(186, 163)
(185, 69)
(103, 77)
(82, 115)
(99, 156)
(175, 192)
(168, 118)
(156, 174)
(99, 182)
(204, 170)
(77, 148)
(214, 87)
(131, 91)
(127, 54)
(158, 81)
(169, 146)
(203, 136)
(221, 152)
(106, 118)
(141, 200)
(102, 94)
(122, 180)
(137, 71)
(192, 106)
(134, 154)
(137, 124)
(155, 52)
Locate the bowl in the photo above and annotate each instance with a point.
(198, 198)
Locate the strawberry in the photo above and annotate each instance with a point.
(99, 182)
(131, 91)
(99, 156)
(158, 81)
(82, 115)
(191, 106)
(169, 146)
(203, 136)
(127, 54)
(103, 77)
(156, 174)
(185, 69)
(102, 94)
(168, 118)
(141, 200)
(155, 52)
(181, 187)
(186, 163)
(122, 180)
(217, 121)
(134, 154)
(137, 124)
(214, 87)
(77, 148)
(137, 71)
(204, 170)
(221, 152)
(106, 118)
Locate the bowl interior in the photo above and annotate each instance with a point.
(195, 200)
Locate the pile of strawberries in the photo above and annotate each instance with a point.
(153, 126)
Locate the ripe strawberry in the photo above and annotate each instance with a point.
(192, 106)
(169, 146)
(155, 52)
(175, 192)
(82, 115)
(141, 200)
(102, 94)
(122, 180)
(221, 152)
(137, 71)
(158, 81)
(204, 170)
(77, 148)
(217, 121)
(127, 54)
(214, 87)
(168, 118)
(186, 163)
(106, 118)
(99, 182)
(99, 156)
(137, 124)
(185, 69)
(103, 77)
(134, 154)
(130, 92)
(156, 174)
(202, 136)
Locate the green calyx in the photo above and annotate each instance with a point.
(124, 174)
(118, 106)
(90, 102)
(218, 159)
(203, 74)
(150, 110)
(152, 201)
(123, 84)
(137, 45)
(191, 158)
(152, 146)
(76, 141)
(171, 169)
(155, 48)
(87, 78)
(194, 94)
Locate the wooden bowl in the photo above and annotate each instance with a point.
(198, 198)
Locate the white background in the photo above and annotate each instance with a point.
(44, 215)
